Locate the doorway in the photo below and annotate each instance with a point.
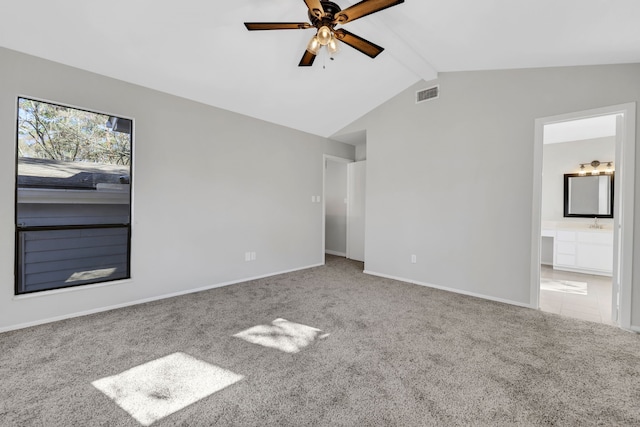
(584, 251)
(577, 257)
(335, 210)
(343, 224)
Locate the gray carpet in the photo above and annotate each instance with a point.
(396, 354)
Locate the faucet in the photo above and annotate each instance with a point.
(595, 223)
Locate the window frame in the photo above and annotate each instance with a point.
(18, 229)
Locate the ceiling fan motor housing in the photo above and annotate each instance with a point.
(330, 11)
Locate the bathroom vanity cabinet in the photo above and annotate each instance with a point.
(582, 250)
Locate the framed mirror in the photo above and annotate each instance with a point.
(588, 196)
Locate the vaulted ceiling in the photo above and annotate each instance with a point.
(200, 49)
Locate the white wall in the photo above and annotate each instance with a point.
(559, 159)
(208, 185)
(336, 208)
(451, 180)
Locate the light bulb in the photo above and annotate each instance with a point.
(582, 172)
(609, 169)
(324, 35)
(595, 172)
(313, 46)
(333, 47)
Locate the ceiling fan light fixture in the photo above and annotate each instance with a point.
(333, 47)
(324, 35)
(314, 45)
(323, 16)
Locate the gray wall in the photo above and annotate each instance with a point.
(546, 250)
(451, 180)
(361, 152)
(335, 194)
(208, 185)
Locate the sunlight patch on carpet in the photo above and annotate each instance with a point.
(283, 335)
(151, 391)
(566, 286)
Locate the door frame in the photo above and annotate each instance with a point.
(623, 209)
(328, 158)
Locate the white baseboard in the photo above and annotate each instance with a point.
(336, 253)
(145, 300)
(454, 290)
(635, 329)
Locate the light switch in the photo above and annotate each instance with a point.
(414, 259)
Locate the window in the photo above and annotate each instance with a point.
(73, 198)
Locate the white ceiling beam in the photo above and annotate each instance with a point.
(378, 28)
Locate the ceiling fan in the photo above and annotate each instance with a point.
(324, 16)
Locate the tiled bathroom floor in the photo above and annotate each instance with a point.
(594, 306)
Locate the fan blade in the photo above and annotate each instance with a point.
(307, 59)
(358, 43)
(364, 8)
(255, 26)
(315, 7)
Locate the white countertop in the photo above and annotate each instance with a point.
(607, 227)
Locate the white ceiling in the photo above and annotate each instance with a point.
(200, 49)
(581, 129)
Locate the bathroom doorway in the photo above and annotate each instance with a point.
(577, 251)
(581, 265)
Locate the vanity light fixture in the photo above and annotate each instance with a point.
(609, 168)
(594, 164)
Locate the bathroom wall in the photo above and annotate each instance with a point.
(565, 157)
